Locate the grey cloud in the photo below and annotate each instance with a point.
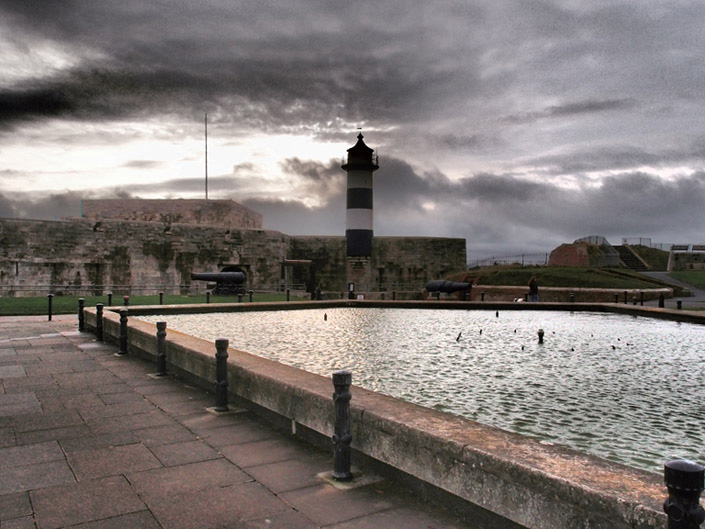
(572, 109)
(142, 164)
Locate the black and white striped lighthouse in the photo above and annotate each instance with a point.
(362, 162)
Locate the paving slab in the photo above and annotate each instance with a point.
(159, 435)
(20, 523)
(292, 474)
(30, 454)
(405, 517)
(30, 477)
(114, 460)
(88, 501)
(92, 442)
(14, 506)
(289, 519)
(45, 421)
(134, 520)
(186, 452)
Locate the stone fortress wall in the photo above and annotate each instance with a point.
(87, 257)
(184, 211)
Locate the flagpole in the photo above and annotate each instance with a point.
(205, 121)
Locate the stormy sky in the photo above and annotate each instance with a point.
(516, 125)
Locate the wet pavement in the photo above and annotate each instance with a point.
(90, 440)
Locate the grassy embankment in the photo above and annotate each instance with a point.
(692, 277)
(69, 304)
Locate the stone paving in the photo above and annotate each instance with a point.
(89, 440)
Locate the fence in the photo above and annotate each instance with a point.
(525, 259)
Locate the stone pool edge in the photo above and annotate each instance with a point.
(518, 478)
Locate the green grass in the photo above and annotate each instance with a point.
(656, 259)
(552, 276)
(69, 304)
(692, 277)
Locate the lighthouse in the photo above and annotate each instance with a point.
(361, 163)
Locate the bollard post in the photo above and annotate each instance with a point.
(571, 297)
(161, 349)
(381, 296)
(110, 299)
(221, 375)
(50, 297)
(394, 295)
(126, 301)
(633, 300)
(625, 297)
(526, 296)
(251, 293)
(341, 436)
(684, 480)
(616, 298)
(161, 298)
(81, 315)
(99, 322)
(679, 304)
(541, 336)
(123, 332)
(482, 296)
(239, 297)
(318, 294)
(661, 301)
(208, 296)
(287, 294)
(438, 296)
(642, 298)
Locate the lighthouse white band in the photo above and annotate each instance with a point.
(358, 219)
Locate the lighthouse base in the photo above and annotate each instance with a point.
(359, 272)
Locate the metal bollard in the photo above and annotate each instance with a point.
(110, 299)
(616, 298)
(81, 315)
(251, 293)
(642, 298)
(341, 436)
(661, 301)
(221, 374)
(161, 298)
(208, 296)
(541, 336)
(99, 322)
(625, 297)
(526, 296)
(571, 297)
(679, 304)
(482, 296)
(126, 301)
(394, 295)
(239, 297)
(684, 480)
(123, 332)
(319, 297)
(287, 294)
(161, 349)
(634, 300)
(50, 297)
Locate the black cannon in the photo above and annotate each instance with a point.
(226, 283)
(446, 286)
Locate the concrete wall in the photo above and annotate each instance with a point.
(519, 479)
(225, 213)
(89, 258)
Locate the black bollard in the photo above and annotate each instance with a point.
(571, 297)
(161, 349)
(319, 297)
(482, 296)
(287, 294)
(110, 299)
(684, 480)
(642, 297)
(126, 301)
(394, 295)
(438, 296)
(541, 336)
(616, 298)
(208, 296)
(251, 293)
(381, 296)
(661, 301)
(123, 332)
(161, 298)
(221, 375)
(99, 322)
(625, 297)
(634, 300)
(341, 436)
(81, 315)
(679, 304)
(239, 297)
(526, 296)
(50, 297)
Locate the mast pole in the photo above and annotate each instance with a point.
(205, 121)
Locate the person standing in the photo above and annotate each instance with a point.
(533, 289)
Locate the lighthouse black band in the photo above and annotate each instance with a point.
(359, 198)
(359, 243)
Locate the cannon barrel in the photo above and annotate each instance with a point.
(220, 277)
(446, 286)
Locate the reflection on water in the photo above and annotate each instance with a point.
(625, 388)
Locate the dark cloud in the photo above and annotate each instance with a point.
(142, 164)
(572, 109)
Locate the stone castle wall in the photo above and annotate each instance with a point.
(90, 258)
(225, 213)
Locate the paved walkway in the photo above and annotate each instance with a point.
(89, 440)
(697, 300)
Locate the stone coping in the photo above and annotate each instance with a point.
(523, 480)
